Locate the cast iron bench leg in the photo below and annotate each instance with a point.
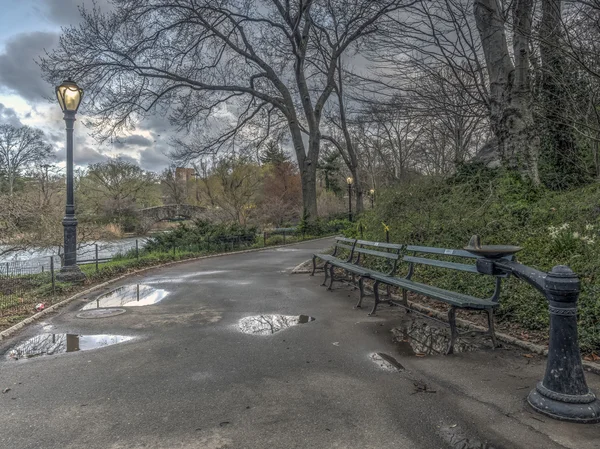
(453, 330)
(376, 291)
(326, 274)
(330, 277)
(361, 286)
(405, 300)
(492, 332)
(314, 265)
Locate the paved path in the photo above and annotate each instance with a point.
(191, 379)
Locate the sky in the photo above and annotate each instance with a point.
(27, 29)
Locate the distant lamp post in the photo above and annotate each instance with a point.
(349, 180)
(372, 193)
(69, 97)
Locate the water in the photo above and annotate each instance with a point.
(128, 296)
(51, 344)
(386, 362)
(269, 324)
(39, 257)
(417, 337)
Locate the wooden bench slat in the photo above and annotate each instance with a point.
(441, 263)
(443, 251)
(345, 239)
(455, 298)
(385, 245)
(394, 256)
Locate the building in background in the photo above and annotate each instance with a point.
(184, 174)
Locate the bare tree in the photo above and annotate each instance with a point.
(21, 148)
(196, 57)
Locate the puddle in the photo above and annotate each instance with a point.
(128, 296)
(50, 344)
(457, 439)
(269, 324)
(417, 337)
(386, 362)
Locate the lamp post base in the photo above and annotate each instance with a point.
(70, 273)
(583, 409)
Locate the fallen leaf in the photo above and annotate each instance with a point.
(6, 390)
(529, 356)
(336, 343)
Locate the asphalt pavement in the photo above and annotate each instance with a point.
(198, 372)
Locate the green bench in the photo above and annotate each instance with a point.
(342, 252)
(384, 256)
(436, 257)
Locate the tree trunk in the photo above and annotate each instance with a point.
(510, 102)
(308, 168)
(560, 149)
(524, 139)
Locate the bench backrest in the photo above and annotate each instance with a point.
(388, 253)
(344, 244)
(437, 257)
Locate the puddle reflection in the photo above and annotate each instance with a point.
(128, 296)
(50, 344)
(386, 362)
(269, 324)
(417, 337)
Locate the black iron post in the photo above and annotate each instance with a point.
(563, 393)
(70, 272)
(137, 250)
(96, 248)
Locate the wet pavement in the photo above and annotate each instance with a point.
(190, 377)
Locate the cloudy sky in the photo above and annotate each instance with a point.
(27, 28)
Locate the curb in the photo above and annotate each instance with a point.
(465, 324)
(21, 324)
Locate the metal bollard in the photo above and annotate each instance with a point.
(563, 393)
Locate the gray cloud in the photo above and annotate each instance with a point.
(154, 159)
(66, 12)
(9, 116)
(18, 69)
(133, 140)
(83, 155)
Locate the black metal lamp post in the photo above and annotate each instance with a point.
(372, 194)
(349, 180)
(563, 393)
(69, 97)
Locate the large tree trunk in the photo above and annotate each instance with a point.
(510, 99)
(560, 150)
(524, 138)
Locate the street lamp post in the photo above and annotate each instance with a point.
(372, 193)
(69, 97)
(349, 180)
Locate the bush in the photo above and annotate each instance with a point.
(201, 233)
